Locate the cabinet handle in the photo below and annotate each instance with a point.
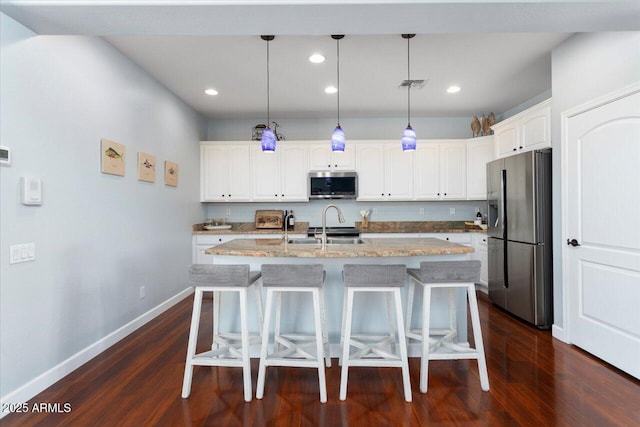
(382, 194)
(222, 195)
(445, 194)
(229, 195)
(335, 166)
(282, 195)
(328, 166)
(521, 147)
(275, 195)
(514, 149)
(438, 194)
(447, 238)
(389, 194)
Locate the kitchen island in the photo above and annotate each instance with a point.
(370, 312)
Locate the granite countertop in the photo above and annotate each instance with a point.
(250, 228)
(372, 227)
(374, 247)
(419, 227)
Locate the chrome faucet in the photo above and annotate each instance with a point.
(323, 236)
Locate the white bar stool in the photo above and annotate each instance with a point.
(372, 348)
(225, 350)
(298, 348)
(439, 344)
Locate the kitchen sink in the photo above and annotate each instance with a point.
(330, 241)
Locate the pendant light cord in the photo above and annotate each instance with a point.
(268, 118)
(338, 73)
(410, 84)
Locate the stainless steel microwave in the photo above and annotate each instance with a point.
(333, 185)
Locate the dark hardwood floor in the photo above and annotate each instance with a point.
(535, 381)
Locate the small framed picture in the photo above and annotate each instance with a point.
(112, 157)
(146, 167)
(170, 173)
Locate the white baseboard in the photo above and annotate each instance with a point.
(558, 333)
(41, 382)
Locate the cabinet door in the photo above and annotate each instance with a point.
(427, 168)
(370, 168)
(345, 160)
(320, 157)
(453, 173)
(294, 170)
(480, 151)
(201, 256)
(265, 175)
(535, 130)
(506, 140)
(238, 169)
(398, 172)
(213, 167)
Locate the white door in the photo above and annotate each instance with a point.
(398, 172)
(427, 176)
(370, 168)
(238, 170)
(265, 176)
(602, 191)
(453, 171)
(294, 168)
(213, 173)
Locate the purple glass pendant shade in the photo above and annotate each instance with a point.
(408, 139)
(337, 139)
(268, 141)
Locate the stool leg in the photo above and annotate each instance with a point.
(392, 326)
(216, 319)
(409, 314)
(424, 357)
(477, 337)
(265, 342)
(258, 294)
(402, 342)
(319, 345)
(191, 347)
(276, 331)
(346, 343)
(244, 335)
(325, 331)
(344, 322)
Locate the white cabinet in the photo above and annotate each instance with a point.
(202, 242)
(441, 171)
(526, 131)
(480, 151)
(321, 157)
(385, 172)
(224, 172)
(280, 176)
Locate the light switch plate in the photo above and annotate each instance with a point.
(22, 253)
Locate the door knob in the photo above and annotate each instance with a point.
(573, 242)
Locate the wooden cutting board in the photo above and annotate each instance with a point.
(269, 219)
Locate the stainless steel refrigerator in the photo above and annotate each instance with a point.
(519, 231)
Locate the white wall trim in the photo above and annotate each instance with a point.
(558, 333)
(46, 379)
(564, 333)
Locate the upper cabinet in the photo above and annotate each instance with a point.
(480, 151)
(385, 172)
(441, 171)
(224, 172)
(321, 157)
(526, 131)
(280, 176)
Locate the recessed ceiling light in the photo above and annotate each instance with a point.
(330, 89)
(316, 58)
(211, 92)
(453, 89)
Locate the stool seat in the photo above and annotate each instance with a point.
(374, 350)
(225, 349)
(299, 350)
(439, 344)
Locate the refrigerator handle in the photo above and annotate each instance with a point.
(503, 208)
(497, 221)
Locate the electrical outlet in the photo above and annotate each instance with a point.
(228, 211)
(452, 211)
(421, 211)
(142, 292)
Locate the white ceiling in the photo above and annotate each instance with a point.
(498, 52)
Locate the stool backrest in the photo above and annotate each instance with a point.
(292, 275)
(220, 275)
(374, 275)
(450, 271)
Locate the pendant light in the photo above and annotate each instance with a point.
(409, 135)
(268, 141)
(337, 137)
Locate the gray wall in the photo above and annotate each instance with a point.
(584, 67)
(307, 129)
(98, 237)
